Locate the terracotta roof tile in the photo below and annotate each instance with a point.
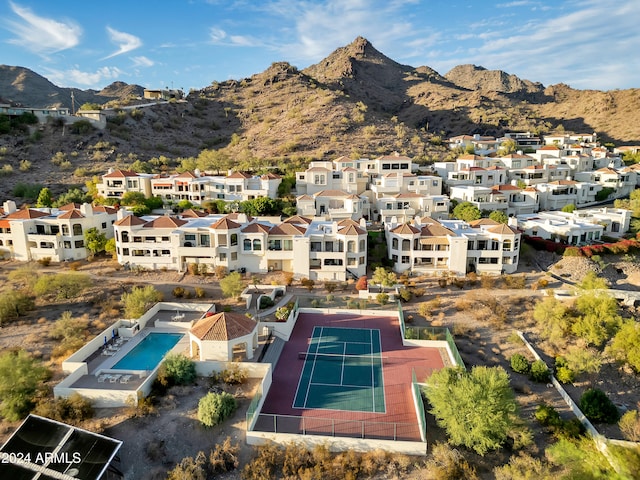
(352, 230)
(70, 214)
(129, 221)
(405, 229)
(121, 174)
(165, 222)
(26, 213)
(225, 223)
(223, 326)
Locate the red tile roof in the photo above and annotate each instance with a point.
(223, 326)
(225, 223)
(165, 222)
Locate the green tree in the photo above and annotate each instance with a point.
(177, 370)
(466, 211)
(477, 408)
(44, 198)
(508, 146)
(139, 300)
(213, 160)
(14, 304)
(598, 317)
(591, 281)
(214, 408)
(553, 319)
(232, 285)
(110, 247)
(133, 199)
(90, 106)
(569, 208)
(384, 278)
(20, 378)
(73, 195)
(499, 216)
(94, 240)
(63, 285)
(261, 206)
(625, 346)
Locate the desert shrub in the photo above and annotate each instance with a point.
(177, 370)
(307, 283)
(224, 456)
(200, 292)
(73, 409)
(382, 298)
(447, 462)
(405, 294)
(265, 464)
(282, 313)
(330, 287)
(193, 269)
(214, 408)
(232, 375)
(539, 372)
(266, 302)
(287, 278)
(232, 285)
(14, 304)
(190, 468)
(75, 266)
(565, 375)
(315, 303)
(178, 292)
(418, 292)
(44, 261)
(514, 281)
(520, 364)
(524, 467)
(630, 425)
(487, 281)
(547, 415)
(21, 376)
(362, 284)
(597, 407)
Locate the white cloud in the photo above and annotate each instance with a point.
(42, 35)
(142, 61)
(74, 77)
(218, 36)
(125, 42)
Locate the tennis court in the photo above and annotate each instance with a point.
(342, 371)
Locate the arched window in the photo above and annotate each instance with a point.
(125, 237)
(394, 243)
(65, 229)
(351, 246)
(234, 239)
(406, 245)
(362, 245)
(247, 244)
(257, 244)
(77, 229)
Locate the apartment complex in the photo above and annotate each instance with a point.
(55, 233)
(315, 249)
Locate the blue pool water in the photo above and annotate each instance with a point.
(149, 352)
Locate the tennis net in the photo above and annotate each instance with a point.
(335, 357)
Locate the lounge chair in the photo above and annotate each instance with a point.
(108, 352)
(125, 378)
(114, 378)
(103, 377)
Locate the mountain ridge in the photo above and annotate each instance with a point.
(356, 101)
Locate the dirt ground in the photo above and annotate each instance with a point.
(153, 444)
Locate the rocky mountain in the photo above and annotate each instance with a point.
(21, 86)
(356, 101)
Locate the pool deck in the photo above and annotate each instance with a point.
(97, 362)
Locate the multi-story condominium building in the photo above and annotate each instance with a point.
(482, 145)
(402, 207)
(623, 181)
(524, 140)
(333, 204)
(191, 186)
(57, 233)
(430, 246)
(315, 249)
(535, 174)
(580, 227)
(558, 194)
(588, 139)
(115, 183)
(331, 176)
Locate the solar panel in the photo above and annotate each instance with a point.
(55, 450)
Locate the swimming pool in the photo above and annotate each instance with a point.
(149, 352)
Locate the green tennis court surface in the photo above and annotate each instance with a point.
(342, 371)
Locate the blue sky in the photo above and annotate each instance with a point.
(189, 44)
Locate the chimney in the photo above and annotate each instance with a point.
(334, 227)
(9, 206)
(86, 209)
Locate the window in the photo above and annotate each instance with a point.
(77, 229)
(246, 244)
(506, 245)
(275, 245)
(222, 240)
(333, 262)
(394, 243)
(104, 225)
(66, 244)
(165, 239)
(287, 245)
(257, 244)
(361, 261)
(205, 240)
(394, 258)
(79, 243)
(234, 256)
(405, 259)
(125, 251)
(190, 236)
(222, 257)
(362, 245)
(351, 246)
(234, 239)
(406, 245)
(351, 262)
(386, 166)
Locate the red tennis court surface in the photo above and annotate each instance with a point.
(398, 364)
